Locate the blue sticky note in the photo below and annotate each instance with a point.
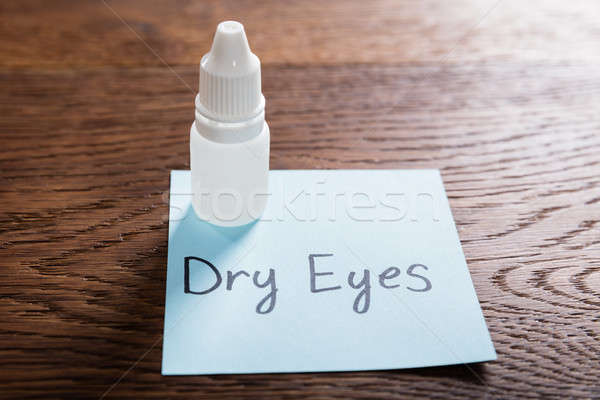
(346, 270)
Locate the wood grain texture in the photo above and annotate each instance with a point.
(89, 33)
(88, 137)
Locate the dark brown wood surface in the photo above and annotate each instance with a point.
(96, 102)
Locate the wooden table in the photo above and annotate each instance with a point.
(96, 103)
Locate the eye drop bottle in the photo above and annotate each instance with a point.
(229, 139)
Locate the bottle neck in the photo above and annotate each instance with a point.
(227, 131)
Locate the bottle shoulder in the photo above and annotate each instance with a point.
(200, 134)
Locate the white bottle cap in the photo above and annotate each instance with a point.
(230, 89)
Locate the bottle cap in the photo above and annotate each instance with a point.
(230, 82)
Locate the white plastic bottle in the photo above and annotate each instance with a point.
(229, 139)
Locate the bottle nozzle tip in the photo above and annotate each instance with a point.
(230, 52)
(230, 27)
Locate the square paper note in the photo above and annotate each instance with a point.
(346, 270)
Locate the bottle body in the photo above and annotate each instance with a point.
(229, 180)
